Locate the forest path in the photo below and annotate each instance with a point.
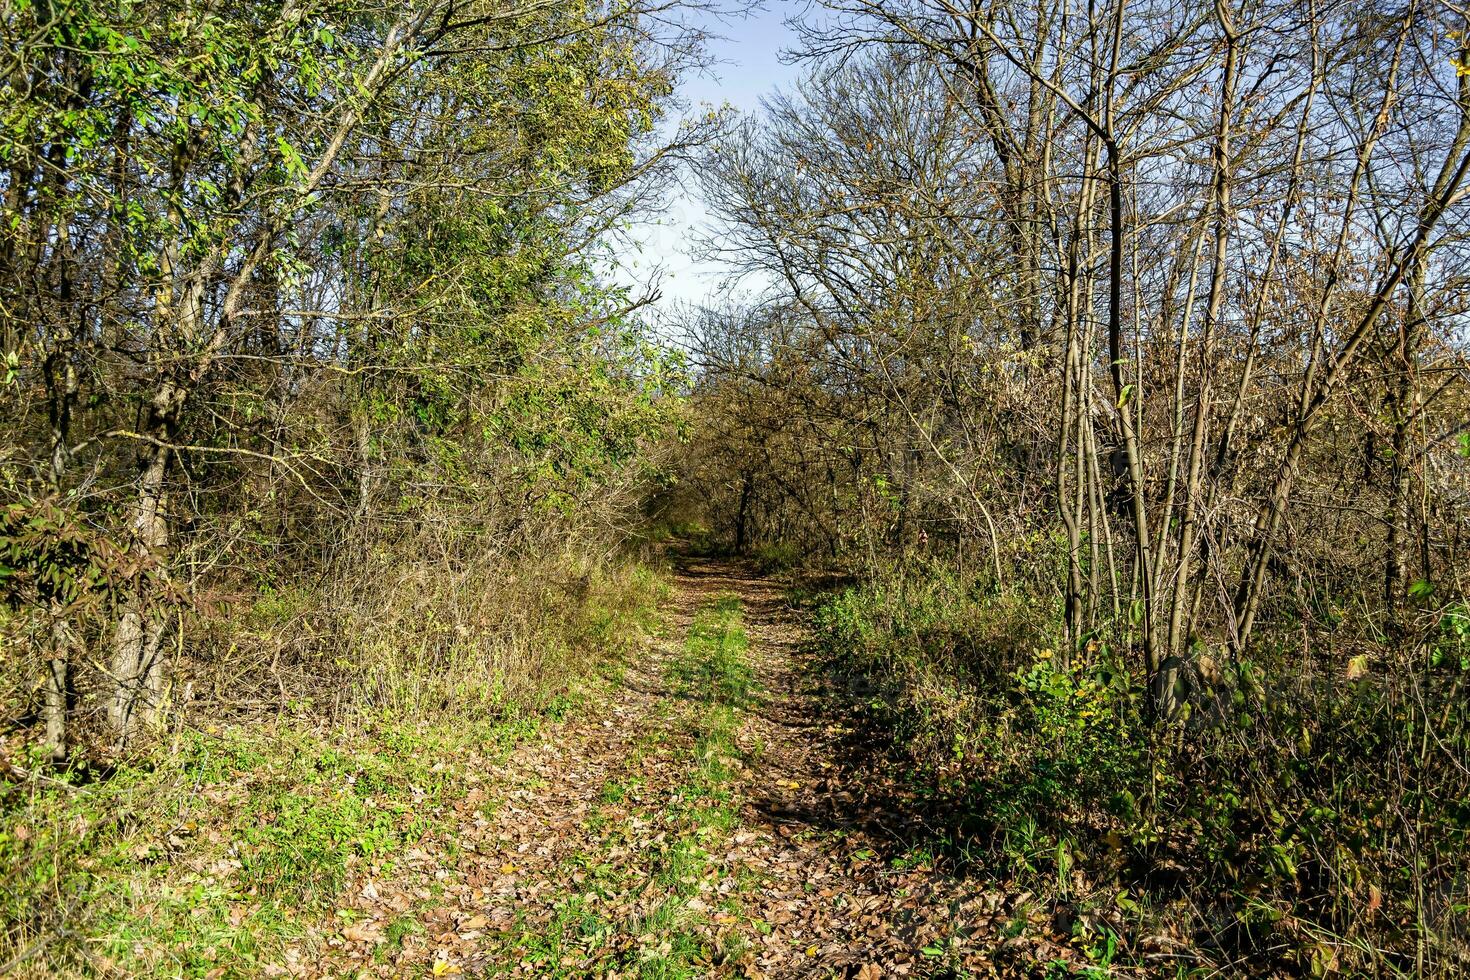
(654, 834)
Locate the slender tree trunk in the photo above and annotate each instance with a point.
(54, 708)
(1403, 409)
(1193, 490)
(1070, 408)
(742, 513)
(1126, 429)
(65, 330)
(136, 641)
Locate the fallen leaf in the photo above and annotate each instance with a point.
(360, 932)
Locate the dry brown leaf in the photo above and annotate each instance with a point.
(361, 932)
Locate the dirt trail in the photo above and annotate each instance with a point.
(587, 853)
(845, 877)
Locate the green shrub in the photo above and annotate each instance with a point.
(1295, 808)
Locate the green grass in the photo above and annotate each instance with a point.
(218, 857)
(713, 668)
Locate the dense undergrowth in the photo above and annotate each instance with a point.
(1305, 816)
(218, 849)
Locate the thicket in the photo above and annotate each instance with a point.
(1119, 355)
(1288, 819)
(320, 410)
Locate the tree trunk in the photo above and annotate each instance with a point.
(741, 514)
(137, 674)
(55, 688)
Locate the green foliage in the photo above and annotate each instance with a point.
(1272, 794)
(940, 619)
(191, 83)
(299, 848)
(523, 370)
(50, 559)
(776, 558)
(1083, 724)
(364, 259)
(1450, 646)
(182, 864)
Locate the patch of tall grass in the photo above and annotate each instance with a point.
(221, 844)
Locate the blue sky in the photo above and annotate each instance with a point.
(746, 47)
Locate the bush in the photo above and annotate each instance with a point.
(1266, 826)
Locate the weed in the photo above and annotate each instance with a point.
(1049, 760)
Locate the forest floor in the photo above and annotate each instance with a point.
(662, 831)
